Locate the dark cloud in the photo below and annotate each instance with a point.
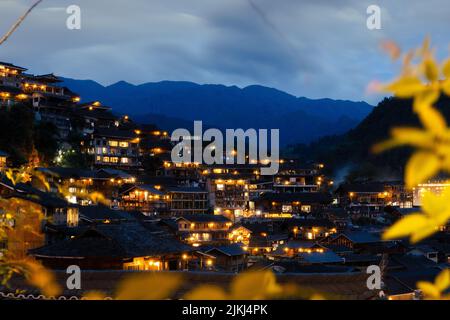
(314, 48)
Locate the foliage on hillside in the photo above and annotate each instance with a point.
(351, 151)
(22, 137)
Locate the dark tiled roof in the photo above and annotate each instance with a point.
(113, 173)
(302, 197)
(149, 188)
(321, 257)
(68, 172)
(125, 240)
(358, 236)
(93, 213)
(372, 187)
(229, 250)
(48, 77)
(97, 114)
(115, 133)
(10, 65)
(310, 223)
(204, 218)
(182, 189)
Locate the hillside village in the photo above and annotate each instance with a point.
(157, 215)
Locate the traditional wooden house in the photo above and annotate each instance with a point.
(115, 148)
(294, 248)
(228, 194)
(149, 199)
(101, 214)
(187, 200)
(375, 195)
(128, 246)
(77, 183)
(310, 229)
(11, 85)
(201, 229)
(286, 205)
(240, 234)
(355, 240)
(92, 115)
(229, 258)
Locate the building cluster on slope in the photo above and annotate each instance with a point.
(164, 216)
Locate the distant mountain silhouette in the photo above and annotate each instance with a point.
(172, 104)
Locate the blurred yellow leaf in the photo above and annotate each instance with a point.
(435, 213)
(429, 290)
(149, 286)
(446, 68)
(442, 281)
(430, 69)
(436, 290)
(42, 278)
(206, 292)
(406, 87)
(405, 226)
(421, 166)
(432, 120)
(254, 285)
(94, 295)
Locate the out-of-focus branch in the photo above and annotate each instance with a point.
(18, 22)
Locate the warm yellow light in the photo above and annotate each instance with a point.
(209, 262)
(185, 256)
(21, 96)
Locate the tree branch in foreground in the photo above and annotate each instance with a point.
(18, 22)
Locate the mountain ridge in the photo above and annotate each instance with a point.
(299, 119)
